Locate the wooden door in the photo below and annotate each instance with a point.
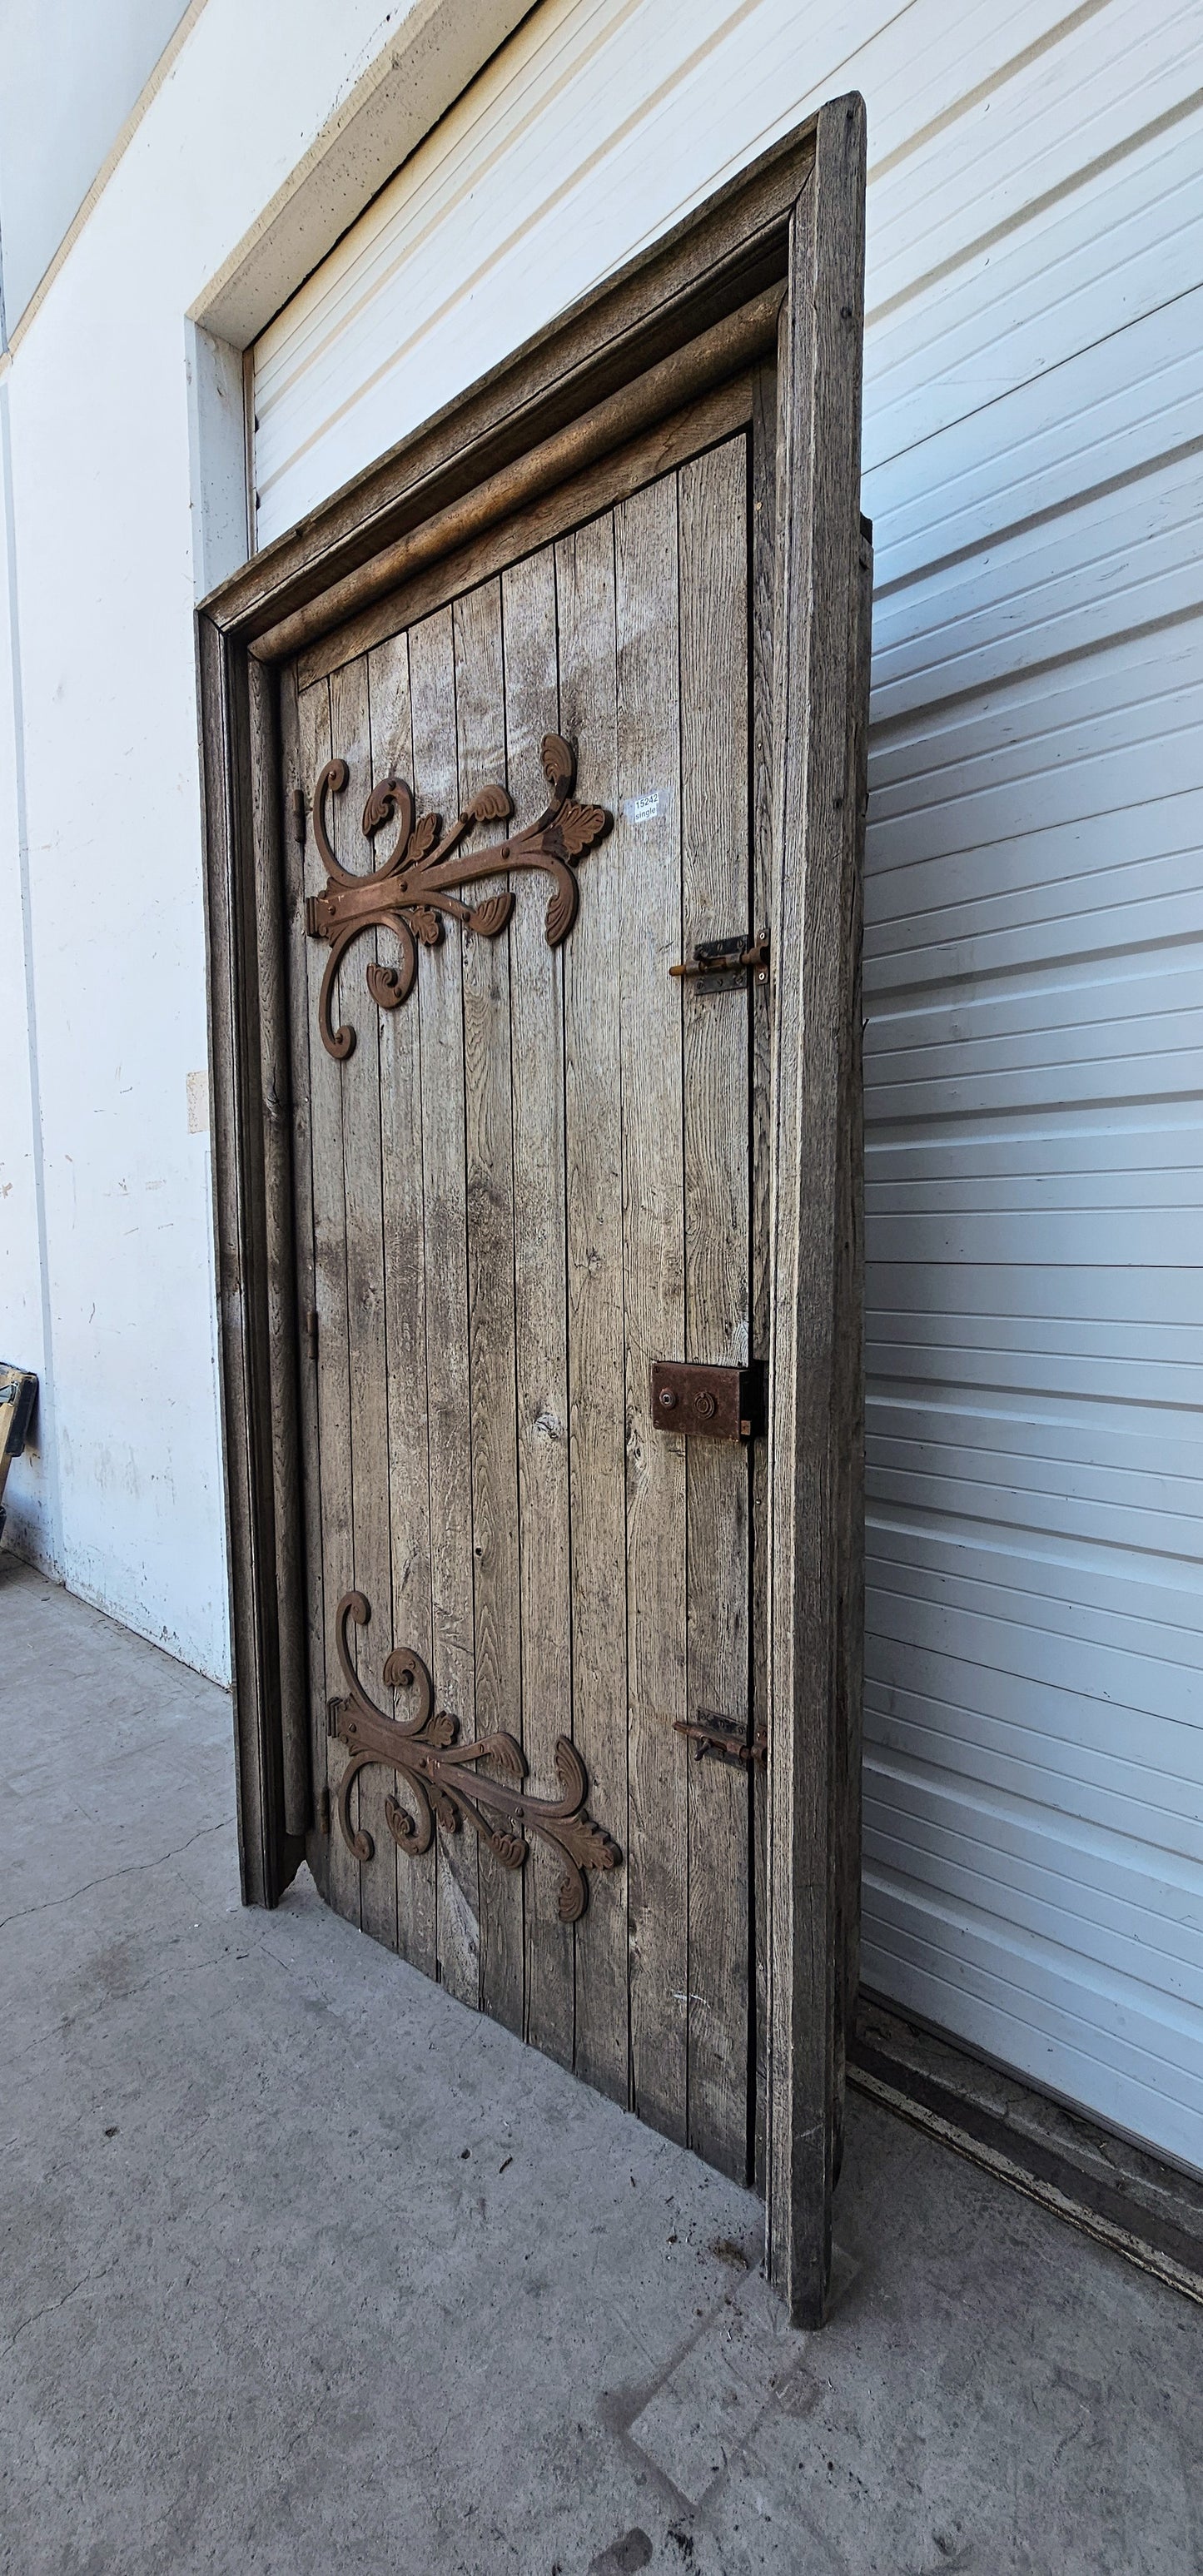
(476, 1591)
(521, 1185)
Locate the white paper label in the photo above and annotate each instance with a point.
(198, 1104)
(645, 808)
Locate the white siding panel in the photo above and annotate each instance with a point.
(598, 126)
(1034, 905)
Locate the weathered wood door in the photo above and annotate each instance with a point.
(568, 688)
(517, 1188)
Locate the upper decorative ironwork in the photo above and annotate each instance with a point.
(411, 891)
(445, 1781)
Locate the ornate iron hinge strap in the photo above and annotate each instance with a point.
(446, 1781)
(410, 892)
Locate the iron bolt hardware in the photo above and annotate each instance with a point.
(722, 965)
(723, 1740)
(716, 1403)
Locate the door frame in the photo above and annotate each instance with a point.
(773, 261)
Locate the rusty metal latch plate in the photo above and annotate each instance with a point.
(707, 1403)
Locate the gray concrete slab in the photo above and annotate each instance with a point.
(306, 2267)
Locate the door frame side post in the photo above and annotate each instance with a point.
(813, 1465)
(282, 1351)
(231, 732)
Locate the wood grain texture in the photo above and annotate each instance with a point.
(330, 1300)
(596, 1329)
(489, 1181)
(305, 1291)
(763, 485)
(648, 406)
(445, 1256)
(715, 896)
(402, 1159)
(279, 1240)
(455, 561)
(532, 709)
(818, 844)
(850, 1388)
(351, 740)
(236, 1107)
(654, 1296)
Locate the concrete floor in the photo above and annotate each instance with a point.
(307, 2268)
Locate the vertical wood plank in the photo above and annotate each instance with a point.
(404, 1294)
(712, 505)
(596, 1346)
(818, 840)
(763, 481)
(297, 967)
(329, 1300)
(850, 1382)
(350, 734)
(649, 934)
(540, 1308)
(439, 996)
(489, 1151)
(279, 1245)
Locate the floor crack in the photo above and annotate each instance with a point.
(53, 2305)
(72, 1895)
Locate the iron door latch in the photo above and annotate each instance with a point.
(706, 1403)
(724, 1740)
(723, 965)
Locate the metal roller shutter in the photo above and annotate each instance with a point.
(1034, 350)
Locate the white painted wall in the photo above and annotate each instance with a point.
(70, 73)
(105, 1236)
(30, 1510)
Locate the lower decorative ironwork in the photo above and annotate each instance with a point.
(445, 1779)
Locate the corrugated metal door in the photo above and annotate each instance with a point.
(1034, 1849)
(1035, 1765)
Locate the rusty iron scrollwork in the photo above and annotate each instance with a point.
(411, 892)
(446, 1782)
